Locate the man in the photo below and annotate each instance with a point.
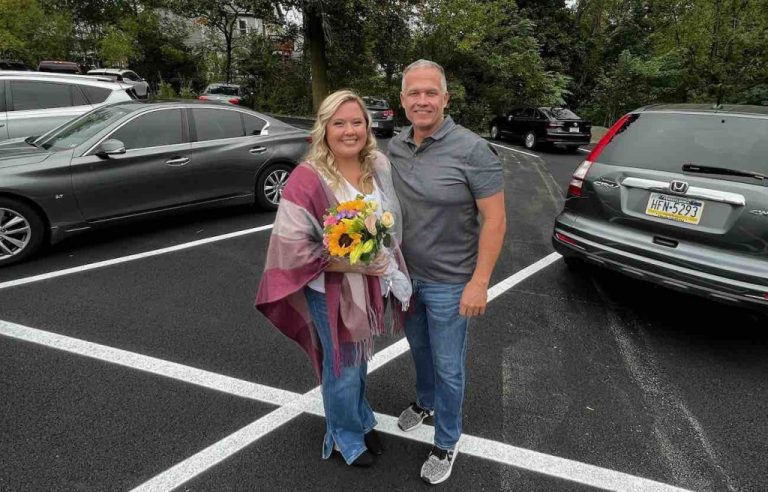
(444, 176)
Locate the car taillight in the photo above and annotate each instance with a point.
(308, 139)
(577, 180)
(568, 240)
(234, 101)
(388, 113)
(555, 124)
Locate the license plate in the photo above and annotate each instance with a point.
(376, 124)
(675, 208)
(574, 129)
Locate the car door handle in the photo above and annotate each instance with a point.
(258, 150)
(177, 161)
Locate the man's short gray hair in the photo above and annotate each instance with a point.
(426, 64)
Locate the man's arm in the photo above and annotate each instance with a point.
(494, 226)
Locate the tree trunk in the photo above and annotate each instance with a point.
(228, 62)
(313, 22)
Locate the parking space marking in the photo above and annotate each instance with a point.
(218, 452)
(179, 372)
(587, 151)
(514, 150)
(137, 256)
(292, 405)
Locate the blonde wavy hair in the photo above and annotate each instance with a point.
(322, 156)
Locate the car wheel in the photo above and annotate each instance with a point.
(530, 141)
(22, 231)
(572, 148)
(270, 184)
(495, 132)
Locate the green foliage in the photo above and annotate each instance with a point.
(186, 91)
(165, 90)
(601, 57)
(29, 34)
(118, 45)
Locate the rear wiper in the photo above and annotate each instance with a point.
(695, 168)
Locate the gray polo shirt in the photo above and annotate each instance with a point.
(437, 184)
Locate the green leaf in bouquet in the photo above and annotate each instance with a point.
(387, 240)
(356, 253)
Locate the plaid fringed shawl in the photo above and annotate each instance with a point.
(296, 256)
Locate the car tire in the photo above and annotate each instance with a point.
(270, 184)
(572, 148)
(495, 135)
(530, 140)
(22, 231)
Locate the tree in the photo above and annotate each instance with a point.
(221, 16)
(490, 54)
(28, 33)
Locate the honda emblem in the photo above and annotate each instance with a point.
(678, 187)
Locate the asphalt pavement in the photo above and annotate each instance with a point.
(132, 358)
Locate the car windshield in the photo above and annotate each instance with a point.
(668, 141)
(83, 128)
(226, 90)
(561, 113)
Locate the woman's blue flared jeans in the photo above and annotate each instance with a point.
(348, 416)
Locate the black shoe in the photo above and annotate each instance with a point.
(373, 443)
(364, 460)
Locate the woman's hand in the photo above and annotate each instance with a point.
(377, 268)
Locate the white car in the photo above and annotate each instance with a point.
(32, 103)
(126, 76)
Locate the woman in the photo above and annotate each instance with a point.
(331, 308)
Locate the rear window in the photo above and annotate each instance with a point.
(214, 124)
(373, 102)
(560, 113)
(664, 142)
(95, 95)
(226, 90)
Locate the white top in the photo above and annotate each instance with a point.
(345, 193)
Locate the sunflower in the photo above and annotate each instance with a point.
(341, 241)
(351, 206)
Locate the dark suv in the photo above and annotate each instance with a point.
(676, 195)
(545, 125)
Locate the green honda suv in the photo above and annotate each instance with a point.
(676, 195)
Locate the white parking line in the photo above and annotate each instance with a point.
(514, 150)
(179, 372)
(587, 151)
(123, 259)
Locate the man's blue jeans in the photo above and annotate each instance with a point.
(437, 334)
(348, 416)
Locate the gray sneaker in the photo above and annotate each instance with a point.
(438, 466)
(412, 417)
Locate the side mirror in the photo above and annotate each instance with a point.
(110, 147)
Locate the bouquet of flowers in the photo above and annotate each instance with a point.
(353, 230)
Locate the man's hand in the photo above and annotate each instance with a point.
(473, 299)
